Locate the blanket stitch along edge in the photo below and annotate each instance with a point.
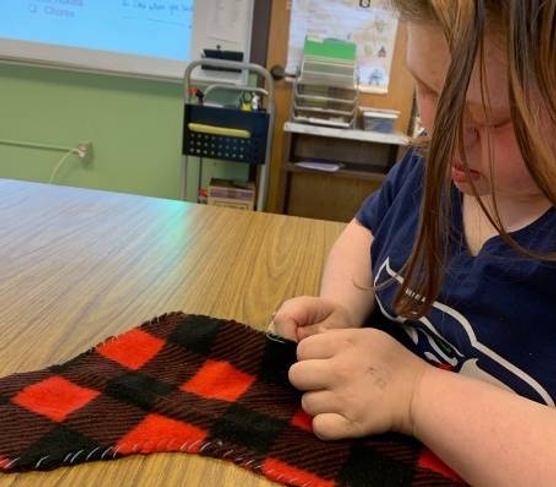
(215, 448)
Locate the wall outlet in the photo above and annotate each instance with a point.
(84, 151)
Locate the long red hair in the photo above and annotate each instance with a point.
(528, 31)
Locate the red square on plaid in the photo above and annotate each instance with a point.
(55, 397)
(302, 420)
(428, 460)
(132, 349)
(219, 380)
(283, 473)
(159, 433)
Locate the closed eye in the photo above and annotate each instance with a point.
(500, 125)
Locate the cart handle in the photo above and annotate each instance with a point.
(226, 64)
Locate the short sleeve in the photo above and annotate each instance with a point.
(405, 176)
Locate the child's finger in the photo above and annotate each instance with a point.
(334, 426)
(310, 375)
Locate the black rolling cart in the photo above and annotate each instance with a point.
(229, 133)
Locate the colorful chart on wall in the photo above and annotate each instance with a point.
(371, 24)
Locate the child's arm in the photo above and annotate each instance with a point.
(346, 297)
(489, 435)
(347, 276)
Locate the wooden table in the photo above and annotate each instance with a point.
(79, 265)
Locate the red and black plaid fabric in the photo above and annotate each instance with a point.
(194, 384)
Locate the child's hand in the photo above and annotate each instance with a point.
(357, 382)
(300, 317)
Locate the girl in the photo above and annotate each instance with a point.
(458, 287)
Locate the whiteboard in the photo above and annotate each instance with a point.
(146, 38)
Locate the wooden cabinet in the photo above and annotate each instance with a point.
(399, 97)
(366, 157)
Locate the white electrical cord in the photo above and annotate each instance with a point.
(33, 145)
(61, 162)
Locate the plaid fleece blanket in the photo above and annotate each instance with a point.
(198, 385)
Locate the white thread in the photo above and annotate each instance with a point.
(11, 463)
(91, 453)
(188, 445)
(66, 458)
(38, 464)
(74, 458)
(206, 445)
(274, 337)
(76, 455)
(105, 452)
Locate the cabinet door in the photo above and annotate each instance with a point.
(327, 197)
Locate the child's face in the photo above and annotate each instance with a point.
(428, 59)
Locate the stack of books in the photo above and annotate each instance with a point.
(325, 91)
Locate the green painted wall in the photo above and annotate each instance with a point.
(134, 124)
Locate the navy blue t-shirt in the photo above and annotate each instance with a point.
(495, 318)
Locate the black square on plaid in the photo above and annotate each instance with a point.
(248, 428)
(197, 333)
(367, 466)
(279, 356)
(52, 449)
(138, 389)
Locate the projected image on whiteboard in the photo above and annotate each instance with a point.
(160, 29)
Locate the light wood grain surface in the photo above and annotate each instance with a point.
(77, 266)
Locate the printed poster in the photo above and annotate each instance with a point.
(371, 24)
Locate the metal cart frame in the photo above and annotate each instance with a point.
(235, 135)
